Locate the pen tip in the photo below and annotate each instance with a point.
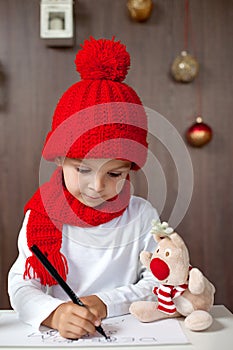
(101, 331)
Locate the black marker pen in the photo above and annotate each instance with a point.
(53, 272)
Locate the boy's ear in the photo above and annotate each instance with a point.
(59, 161)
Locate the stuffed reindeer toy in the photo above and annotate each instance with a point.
(182, 291)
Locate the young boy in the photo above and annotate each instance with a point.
(84, 218)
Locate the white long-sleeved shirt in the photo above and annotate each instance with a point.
(102, 260)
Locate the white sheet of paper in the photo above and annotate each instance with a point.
(123, 330)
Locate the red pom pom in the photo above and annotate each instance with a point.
(103, 59)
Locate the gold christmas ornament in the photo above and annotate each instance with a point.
(184, 68)
(199, 134)
(140, 10)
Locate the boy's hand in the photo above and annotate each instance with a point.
(95, 305)
(74, 321)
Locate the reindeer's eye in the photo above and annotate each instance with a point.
(167, 252)
(157, 250)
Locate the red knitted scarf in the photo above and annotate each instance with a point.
(52, 206)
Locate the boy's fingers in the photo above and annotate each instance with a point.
(97, 323)
(73, 333)
(85, 313)
(85, 325)
(76, 328)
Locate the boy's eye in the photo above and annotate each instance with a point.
(114, 174)
(83, 170)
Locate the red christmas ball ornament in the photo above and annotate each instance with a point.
(199, 134)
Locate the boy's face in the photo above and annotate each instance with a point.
(93, 181)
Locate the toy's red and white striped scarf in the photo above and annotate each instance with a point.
(166, 294)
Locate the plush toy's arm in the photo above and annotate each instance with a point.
(196, 283)
(145, 258)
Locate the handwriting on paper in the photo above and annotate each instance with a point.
(122, 330)
(52, 336)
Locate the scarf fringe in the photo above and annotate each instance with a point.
(34, 268)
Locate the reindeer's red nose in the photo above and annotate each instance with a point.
(159, 269)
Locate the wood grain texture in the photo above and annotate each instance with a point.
(35, 76)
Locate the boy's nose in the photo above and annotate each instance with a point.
(98, 183)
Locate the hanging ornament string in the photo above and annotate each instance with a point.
(188, 33)
(199, 134)
(199, 96)
(186, 25)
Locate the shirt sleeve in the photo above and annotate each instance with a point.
(27, 296)
(118, 300)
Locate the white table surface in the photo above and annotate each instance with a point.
(218, 337)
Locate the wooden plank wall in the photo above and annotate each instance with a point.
(34, 76)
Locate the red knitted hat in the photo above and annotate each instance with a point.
(99, 116)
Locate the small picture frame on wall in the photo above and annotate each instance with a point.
(57, 22)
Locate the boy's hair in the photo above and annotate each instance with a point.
(99, 116)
